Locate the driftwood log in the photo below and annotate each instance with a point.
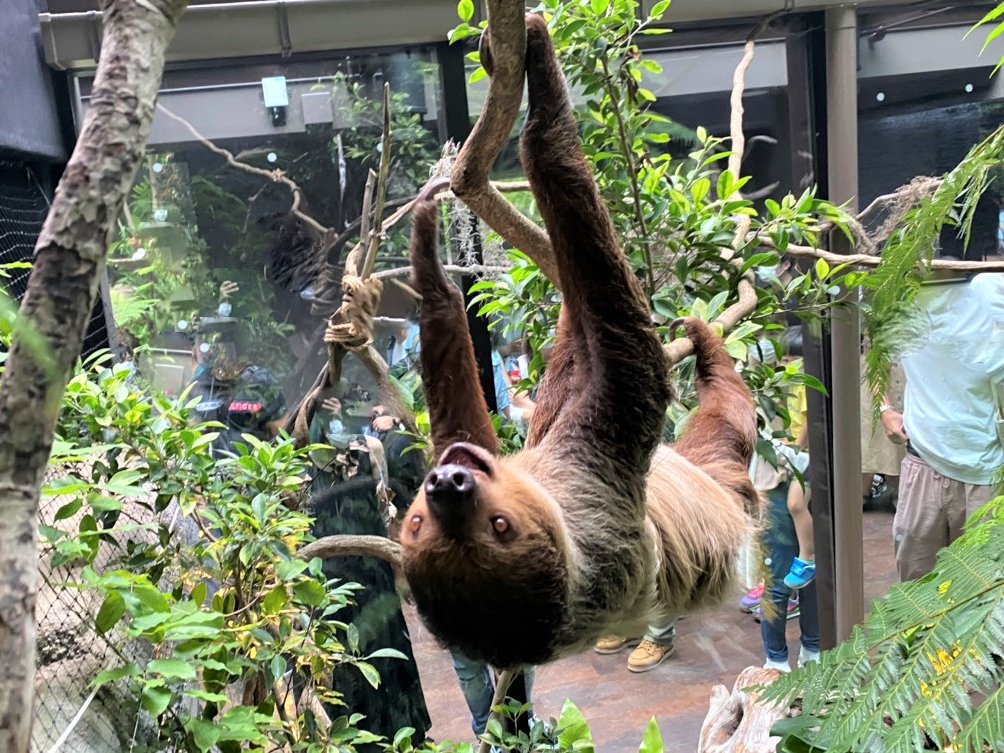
(738, 721)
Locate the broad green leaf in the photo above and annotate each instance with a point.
(114, 675)
(275, 600)
(658, 10)
(599, 6)
(310, 592)
(205, 734)
(155, 700)
(172, 669)
(278, 667)
(573, 731)
(111, 611)
(465, 10)
(65, 485)
(69, 509)
(370, 673)
(822, 269)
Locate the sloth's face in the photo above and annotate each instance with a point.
(472, 497)
(484, 558)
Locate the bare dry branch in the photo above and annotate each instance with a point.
(355, 255)
(276, 176)
(474, 270)
(381, 192)
(867, 260)
(745, 305)
(501, 688)
(353, 546)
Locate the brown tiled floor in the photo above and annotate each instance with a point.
(711, 648)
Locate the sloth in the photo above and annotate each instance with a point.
(595, 527)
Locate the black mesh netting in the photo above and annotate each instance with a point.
(23, 206)
(70, 653)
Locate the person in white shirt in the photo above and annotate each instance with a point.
(950, 419)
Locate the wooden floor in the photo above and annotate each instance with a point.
(711, 648)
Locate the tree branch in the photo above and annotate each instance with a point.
(867, 260)
(745, 304)
(70, 257)
(474, 270)
(276, 176)
(353, 546)
(469, 177)
(502, 685)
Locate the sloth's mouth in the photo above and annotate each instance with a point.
(469, 456)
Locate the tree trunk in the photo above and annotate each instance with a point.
(69, 260)
(738, 722)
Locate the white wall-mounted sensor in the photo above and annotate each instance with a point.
(274, 89)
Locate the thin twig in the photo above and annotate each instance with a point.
(474, 270)
(276, 176)
(381, 191)
(867, 260)
(745, 304)
(501, 688)
(352, 260)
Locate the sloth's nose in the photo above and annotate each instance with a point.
(450, 491)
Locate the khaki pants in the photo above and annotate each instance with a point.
(931, 513)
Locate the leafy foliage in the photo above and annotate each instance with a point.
(994, 15)
(924, 672)
(569, 734)
(234, 618)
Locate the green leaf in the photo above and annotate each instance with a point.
(111, 611)
(479, 74)
(822, 269)
(465, 10)
(275, 600)
(199, 593)
(172, 669)
(370, 673)
(64, 486)
(573, 731)
(658, 10)
(599, 6)
(277, 666)
(204, 734)
(155, 700)
(652, 740)
(387, 653)
(69, 509)
(290, 569)
(310, 592)
(114, 675)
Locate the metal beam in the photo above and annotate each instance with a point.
(283, 28)
(845, 337)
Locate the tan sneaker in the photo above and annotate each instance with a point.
(612, 644)
(648, 656)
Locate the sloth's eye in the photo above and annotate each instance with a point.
(415, 523)
(500, 525)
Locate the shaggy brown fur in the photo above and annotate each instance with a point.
(522, 559)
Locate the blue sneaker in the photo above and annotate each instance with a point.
(800, 575)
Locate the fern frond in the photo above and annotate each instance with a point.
(910, 678)
(890, 313)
